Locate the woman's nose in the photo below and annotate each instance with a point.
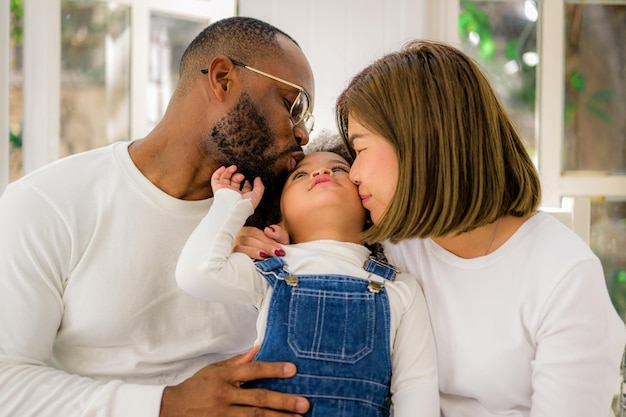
(354, 176)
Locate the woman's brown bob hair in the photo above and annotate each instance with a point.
(462, 164)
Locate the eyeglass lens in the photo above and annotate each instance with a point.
(299, 110)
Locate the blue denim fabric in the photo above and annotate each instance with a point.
(336, 331)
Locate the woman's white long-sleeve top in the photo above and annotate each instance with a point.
(526, 331)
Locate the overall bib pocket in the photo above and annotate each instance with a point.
(330, 325)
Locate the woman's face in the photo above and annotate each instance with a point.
(375, 169)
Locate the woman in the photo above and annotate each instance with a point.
(521, 315)
(522, 319)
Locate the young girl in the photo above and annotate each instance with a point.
(357, 329)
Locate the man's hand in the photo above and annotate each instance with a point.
(214, 391)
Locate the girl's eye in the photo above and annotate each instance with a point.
(298, 174)
(341, 168)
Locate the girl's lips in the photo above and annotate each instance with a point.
(364, 198)
(321, 179)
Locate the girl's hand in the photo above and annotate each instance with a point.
(229, 178)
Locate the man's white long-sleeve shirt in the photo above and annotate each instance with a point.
(92, 322)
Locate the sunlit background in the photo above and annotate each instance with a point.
(580, 147)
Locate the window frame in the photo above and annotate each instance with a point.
(556, 184)
(41, 125)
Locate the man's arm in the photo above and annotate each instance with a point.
(33, 251)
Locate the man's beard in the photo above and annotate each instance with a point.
(243, 138)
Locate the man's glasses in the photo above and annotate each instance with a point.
(299, 111)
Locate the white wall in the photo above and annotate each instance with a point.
(340, 37)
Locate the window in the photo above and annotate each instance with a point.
(559, 66)
(88, 94)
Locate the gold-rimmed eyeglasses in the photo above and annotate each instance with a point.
(300, 108)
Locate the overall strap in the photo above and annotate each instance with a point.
(381, 269)
(272, 269)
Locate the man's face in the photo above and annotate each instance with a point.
(243, 137)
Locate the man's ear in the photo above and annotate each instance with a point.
(221, 76)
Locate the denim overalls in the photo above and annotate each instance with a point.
(335, 328)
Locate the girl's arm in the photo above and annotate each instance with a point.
(414, 380)
(207, 268)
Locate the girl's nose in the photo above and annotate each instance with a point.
(319, 171)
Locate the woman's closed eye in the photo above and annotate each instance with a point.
(357, 150)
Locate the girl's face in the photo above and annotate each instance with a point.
(375, 169)
(318, 196)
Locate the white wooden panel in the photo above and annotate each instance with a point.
(550, 98)
(140, 35)
(42, 80)
(442, 21)
(341, 37)
(195, 9)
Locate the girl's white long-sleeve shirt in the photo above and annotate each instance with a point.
(526, 331)
(208, 269)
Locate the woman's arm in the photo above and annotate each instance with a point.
(580, 342)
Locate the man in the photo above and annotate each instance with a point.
(92, 322)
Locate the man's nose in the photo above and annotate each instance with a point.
(301, 134)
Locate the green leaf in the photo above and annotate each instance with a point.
(570, 112)
(510, 49)
(463, 22)
(487, 47)
(578, 81)
(599, 113)
(605, 96)
(15, 140)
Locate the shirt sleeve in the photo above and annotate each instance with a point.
(34, 252)
(207, 268)
(580, 341)
(414, 381)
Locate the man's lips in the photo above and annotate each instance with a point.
(294, 158)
